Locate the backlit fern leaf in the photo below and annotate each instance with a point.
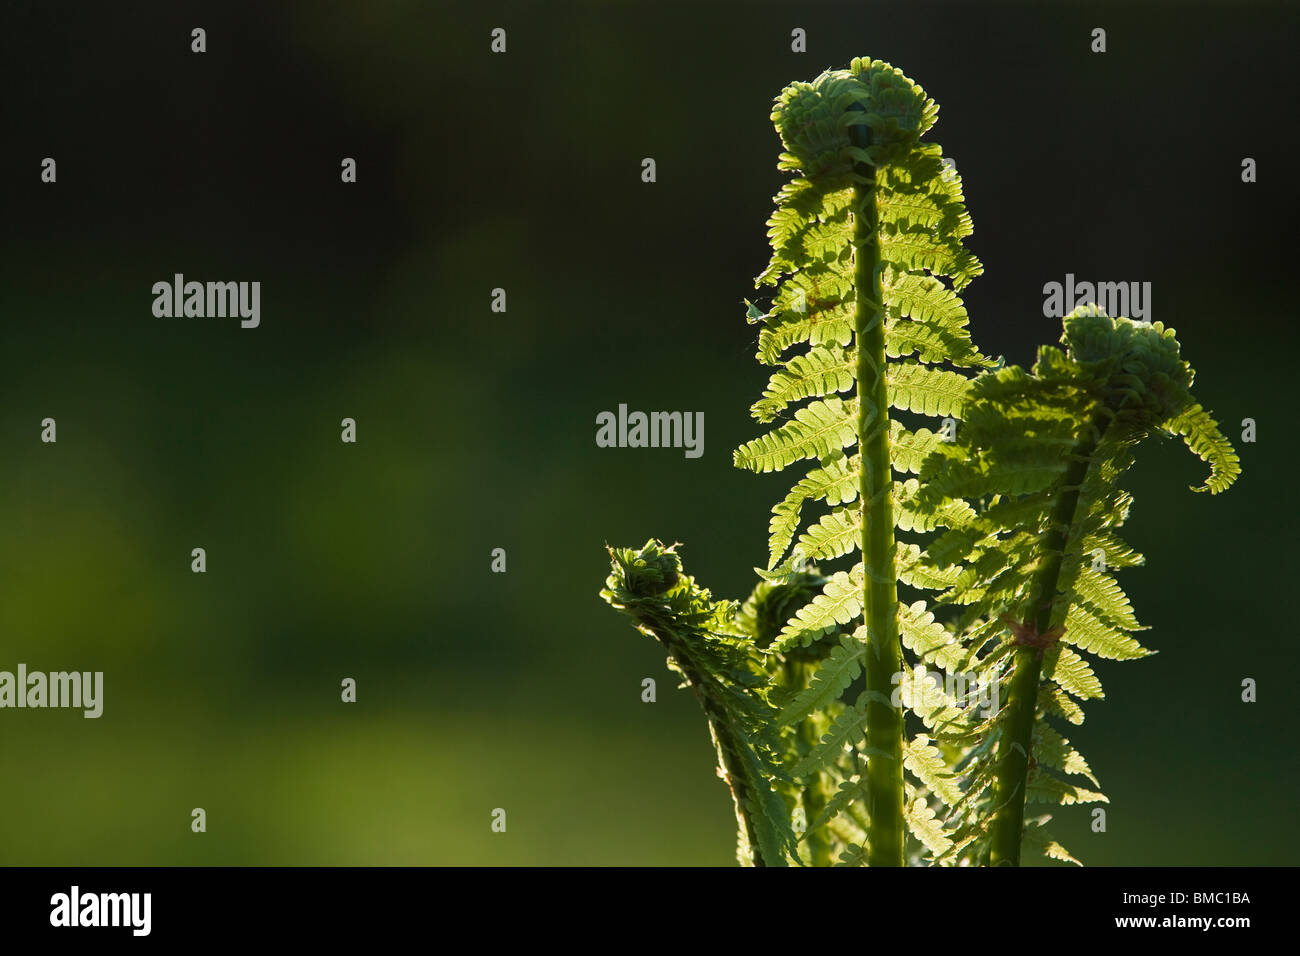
(822, 370)
(839, 603)
(1037, 461)
(877, 314)
(1201, 434)
(835, 483)
(924, 761)
(843, 733)
(914, 387)
(922, 224)
(1038, 840)
(835, 674)
(921, 820)
(722, 669)
(819, 429)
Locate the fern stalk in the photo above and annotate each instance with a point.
(880, 587)
(1012, 770)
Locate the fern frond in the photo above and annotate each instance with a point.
(1114, 552)
(914, 387)
(909, 450)
(912, 513)
(854, 854)
(1052, 750)
(1200, 432)
(834, 534)
(867, 257)
(847, 728)
(1037, 461)
(925, 827)
(818, 430)
(835, 483)
(851, 791)
(769, 606)
(915, 571)
(1022, 502)
(823, 370)
(838, 604)
(1072, 673)
(800, 316)
(1088, 633)
(924, 761)
(1038, 840)
(1055, 701)
(1043, 787)
(1105, 597)
(925, 637)
(649, 585)
(937, 331)
(839, 670)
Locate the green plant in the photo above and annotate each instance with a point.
(717, 664)
(1028, 566)
(868, 258)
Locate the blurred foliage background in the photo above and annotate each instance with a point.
(476, 430)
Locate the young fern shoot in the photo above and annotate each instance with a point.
(862, 240)
(717, 663)
(1041, 453)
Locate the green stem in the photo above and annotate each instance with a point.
(880, 598)
(1013, 764)
(812, 795)
(1013, 756)
(728, 742)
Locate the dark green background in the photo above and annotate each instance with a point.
(476, 430)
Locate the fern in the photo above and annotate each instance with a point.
(866, 256)
(1042, 451)
(719, 664)
(804, 684)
